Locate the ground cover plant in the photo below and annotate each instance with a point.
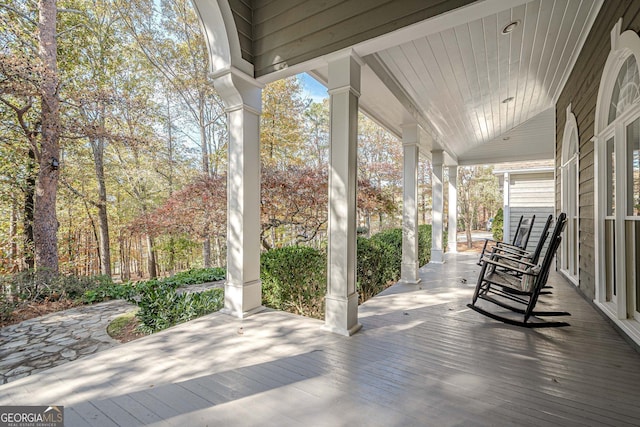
(29, 294)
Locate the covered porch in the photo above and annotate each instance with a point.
(421, 358)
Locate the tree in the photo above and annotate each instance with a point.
(172, 41)
(45, 222)
(380, 164)
(281, 124)
(477, 191)
(316, 122)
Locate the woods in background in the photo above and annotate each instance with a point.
(113, 146)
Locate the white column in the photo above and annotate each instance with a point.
(341, 308)
(453, 210)
(242, 97)
(410, 264)
(506, 211)
(437, 253)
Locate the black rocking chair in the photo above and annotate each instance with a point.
(520, 240)
(518, 292)
(513, 254)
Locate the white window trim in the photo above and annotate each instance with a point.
(570, 132)
(622, 45)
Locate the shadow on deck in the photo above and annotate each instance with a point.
(422, 358)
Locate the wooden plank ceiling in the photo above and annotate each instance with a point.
(476, 83)
(480, 94)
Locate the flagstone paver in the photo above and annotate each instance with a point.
(56, 338)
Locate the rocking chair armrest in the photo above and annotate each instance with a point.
(510, 247)
(510, 267)
(510, 257)
(511, 250)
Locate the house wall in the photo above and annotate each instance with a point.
(531, 194)
(288, 32)
(581, 90)
(243, 18)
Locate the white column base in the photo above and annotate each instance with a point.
(243, 300)
(409, 273)
(341, 315)
(437, 256)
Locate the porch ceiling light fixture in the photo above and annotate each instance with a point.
(507, 100)
(510, 27)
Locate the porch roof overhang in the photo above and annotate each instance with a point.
(478, 94)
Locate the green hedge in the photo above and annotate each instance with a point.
(294, 279)
(131, 290)
(377, 266)
(497, 227)
(162, 307)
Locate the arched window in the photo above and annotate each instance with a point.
(569, 197)
(617, 156)
(625, 89)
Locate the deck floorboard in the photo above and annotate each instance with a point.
(421, 358)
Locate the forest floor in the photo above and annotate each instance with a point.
(37, 309)
(476, 246)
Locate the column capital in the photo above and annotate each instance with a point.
(437, 157)
(344, 74)
(410, 134)
(238, 90)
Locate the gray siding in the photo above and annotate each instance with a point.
(581, 91)
(531, 194)
(288, 32)
(243, 18)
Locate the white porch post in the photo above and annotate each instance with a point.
(242, 97)
(506, 211)
(410, 263)
(453, 210)
(437, 253)
(341, 309)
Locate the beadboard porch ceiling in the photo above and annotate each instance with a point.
(481, 93)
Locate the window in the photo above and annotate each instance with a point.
(617, 186)
(633, 168)
(625, 90)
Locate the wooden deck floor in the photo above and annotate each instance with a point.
(422, 358)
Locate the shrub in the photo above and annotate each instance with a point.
(424, 244)
(126, 291)
(392, 262)
(131, 291)
(375, 266)
(162, 307)
(195, 275)
(39, 285)
(497, 228)
(7, 306)
(294, 279)
(74, 287)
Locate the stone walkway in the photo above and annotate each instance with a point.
(43, 342)
(56, 338)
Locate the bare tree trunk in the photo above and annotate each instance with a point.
(29, 196)
(97, 146)
(13, 233)
(125, 256)
(206, 252)
(151, 259)
(45, 222)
